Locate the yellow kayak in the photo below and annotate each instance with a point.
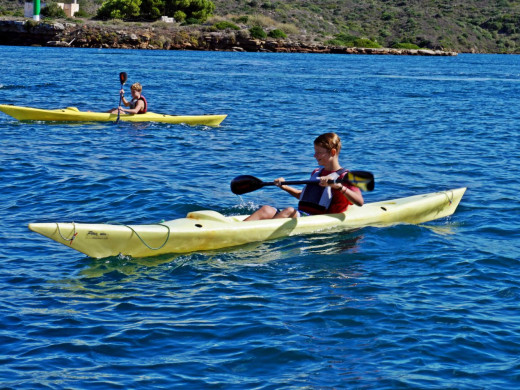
(72, 114)
(208, 230)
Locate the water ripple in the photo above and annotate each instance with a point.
(429, 306)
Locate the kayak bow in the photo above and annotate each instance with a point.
(208, 230)
(72, 114)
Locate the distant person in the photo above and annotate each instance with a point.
(322, 198)
(138, 104)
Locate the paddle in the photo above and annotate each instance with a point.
(245, 183)
(122, 77)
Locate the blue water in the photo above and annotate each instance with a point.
(431, 306)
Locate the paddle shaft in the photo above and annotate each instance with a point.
(119, 105)
(295, 182)
(122, 77)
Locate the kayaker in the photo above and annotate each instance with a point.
(138, 104)
(317, 199)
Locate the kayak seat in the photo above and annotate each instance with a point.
(208, 215)
(72, 109)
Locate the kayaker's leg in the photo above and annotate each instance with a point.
(264, 212)
(114, 111)
(289, 212)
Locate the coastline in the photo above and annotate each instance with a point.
(160, 36)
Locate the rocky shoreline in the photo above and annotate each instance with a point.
(165, 37)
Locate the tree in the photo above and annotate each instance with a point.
(193, 9)
(119, 9)
(152, 9)
(179, 16)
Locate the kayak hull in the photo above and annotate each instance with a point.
(209, 230)
(72, 114)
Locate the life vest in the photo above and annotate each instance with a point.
(133, 103)
(316, 199)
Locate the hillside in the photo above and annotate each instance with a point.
(459, 25)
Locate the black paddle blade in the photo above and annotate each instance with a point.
(123, 77)
(244, 184)
(362, 179)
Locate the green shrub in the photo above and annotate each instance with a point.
(81, 14)
(192, 21)
(53, 10)
(405, 45)
(348, 40)
(257, 32)
(119, 9)
(225, 25)
(277, 33)
(30, 24)
(194, 9)
(387, 16)
(268, 5)
(179, 16)
(342, 39)
(365, 42)
(241, 19)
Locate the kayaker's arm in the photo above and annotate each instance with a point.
(138, 107)
(352, 194)
(293, 191)
(123, 99)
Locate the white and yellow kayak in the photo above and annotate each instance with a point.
(207, 230)
(72, 114)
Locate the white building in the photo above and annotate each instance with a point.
(69, 9)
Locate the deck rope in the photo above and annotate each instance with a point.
(72, 237)
(141, 239)
(447, 196)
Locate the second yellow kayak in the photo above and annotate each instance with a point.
(72, 114)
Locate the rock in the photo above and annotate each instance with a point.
(58, 44)
(58, 27)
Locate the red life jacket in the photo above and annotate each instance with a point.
(133, 103)
(316, 199)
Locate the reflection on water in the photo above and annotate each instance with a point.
(446, 229)
(333, 243)
(252, 254)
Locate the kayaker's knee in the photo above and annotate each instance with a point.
(264, 212)
(289, 212)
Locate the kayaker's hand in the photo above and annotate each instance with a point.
(324, 182)
(279, 182)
